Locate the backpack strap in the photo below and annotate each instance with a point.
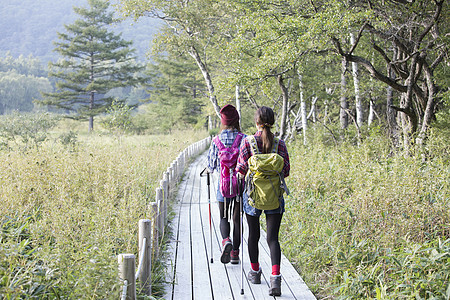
(221, 146)
(253, 145)
(237, 140)
(218, 143)
(276, 141)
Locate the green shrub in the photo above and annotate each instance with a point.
(26, 130)
(365, 222)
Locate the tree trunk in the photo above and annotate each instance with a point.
(312, 112)
(371, 104)
(212, 97)
(391, 114)
(371, 113)
(210, 123)
(358, 104)
(429, 110)
(91, 107)
(302, 109)
(238, 105)
(405, 122)
(284, 108)
(344, 101)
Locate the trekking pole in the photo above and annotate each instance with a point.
(241, 204)
(208, 182)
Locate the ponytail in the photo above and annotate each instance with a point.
(265, 118)
(267, 139)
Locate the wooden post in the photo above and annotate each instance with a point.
(127, 270)
(183, 160)
(182, 163)
(155, 238)
(171, 180)
(178, 167)
(161, 221)
(163, 185)
(175, 170)
(145, 276)
(167, 184)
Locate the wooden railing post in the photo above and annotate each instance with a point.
(161, 221)
(127, 270)
(151, 230)
(167, 185)
(145, 276)
(171, 179)
(175, 171)
(163, 185)
(153, 206)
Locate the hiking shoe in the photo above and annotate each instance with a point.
(226, 249)
(275, 285)
(234, 257)
(254, 276)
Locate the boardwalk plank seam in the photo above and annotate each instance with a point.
(192, 219)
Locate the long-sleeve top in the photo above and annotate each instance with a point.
(245, 152)
(227, 137)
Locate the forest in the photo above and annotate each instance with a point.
(360, 89)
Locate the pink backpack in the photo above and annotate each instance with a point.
(228, 159)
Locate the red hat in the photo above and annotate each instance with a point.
(229, 115)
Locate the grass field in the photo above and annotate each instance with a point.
(367, 223)
(66, 212)
(362, 222)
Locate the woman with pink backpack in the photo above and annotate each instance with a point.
(222, 157)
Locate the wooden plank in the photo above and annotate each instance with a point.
(201, 272)
(251, 291)
(293, 287)
(216, 280)
(181, 256)
(223, 288)
(291, 283)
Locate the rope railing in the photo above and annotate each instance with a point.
(152, 231)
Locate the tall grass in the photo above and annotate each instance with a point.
(366, 223)
(66, 213)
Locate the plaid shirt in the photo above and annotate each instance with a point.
(245, 152)
(227, 137)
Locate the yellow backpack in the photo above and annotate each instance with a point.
(265, 180)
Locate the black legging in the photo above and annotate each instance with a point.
(225, 224)
(273, 222)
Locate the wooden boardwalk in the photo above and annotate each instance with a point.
(191, 273)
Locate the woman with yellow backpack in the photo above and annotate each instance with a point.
(264, 161)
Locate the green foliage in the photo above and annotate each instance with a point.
(94, 61)
(26, 130)
(176, 93)
(118, 121)
(21, 271)
(21, 82)
(368, 223)
(65, 216)
(69, 139)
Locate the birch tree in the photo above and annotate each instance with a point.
(191, 27)
(355, 75)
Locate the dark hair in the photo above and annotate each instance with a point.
(265, 118)
(234, 125)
